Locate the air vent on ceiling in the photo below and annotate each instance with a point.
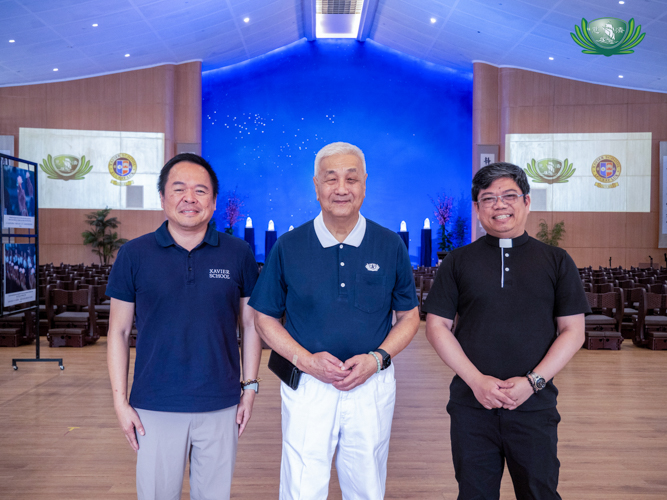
(339, 6)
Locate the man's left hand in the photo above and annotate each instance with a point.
(244, 410)
(519, 393)
(361, 367)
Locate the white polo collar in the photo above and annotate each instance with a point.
(327, 239)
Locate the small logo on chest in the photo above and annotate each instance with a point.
(219, 273)
(372, 267)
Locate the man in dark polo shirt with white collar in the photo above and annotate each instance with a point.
(189, 285)
(521, 319)
(338, 278)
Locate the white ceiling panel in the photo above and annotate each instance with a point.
(521, 33)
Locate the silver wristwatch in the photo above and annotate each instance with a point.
(537, 382)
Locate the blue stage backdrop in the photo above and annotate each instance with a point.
(265, 119)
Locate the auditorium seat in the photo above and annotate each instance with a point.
(71, 328)
(603, 326)
(651, 321)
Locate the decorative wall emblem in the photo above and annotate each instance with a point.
(122, 167)
(606, 169)
(65, 167)
(549, 170)
(607, 36)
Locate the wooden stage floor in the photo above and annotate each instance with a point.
(60, 439)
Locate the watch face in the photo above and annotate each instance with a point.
(541, 383)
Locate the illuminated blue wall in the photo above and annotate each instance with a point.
(265, 119)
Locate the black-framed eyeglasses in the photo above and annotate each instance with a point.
(507, 199)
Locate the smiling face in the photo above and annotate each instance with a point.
(501, 219)
(340, 185)
(188, 201)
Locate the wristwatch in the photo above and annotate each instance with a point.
(252, 385)
(386, 358)
(537, 382)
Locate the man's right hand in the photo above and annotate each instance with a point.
(130, 423)
(488, 392)
(325, 367)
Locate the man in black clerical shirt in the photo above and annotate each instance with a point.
(520, 307)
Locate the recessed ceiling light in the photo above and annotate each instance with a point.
(433, 20)
(620, 76)
(55, 69)
(127, 55)
(621, 2)
(95, 25)
(246, 19)
(12, 41)
(551, 58)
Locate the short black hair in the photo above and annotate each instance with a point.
(485, 176)
(192, 158)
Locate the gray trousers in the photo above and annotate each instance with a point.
(207, 440)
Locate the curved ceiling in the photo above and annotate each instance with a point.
(131, 34)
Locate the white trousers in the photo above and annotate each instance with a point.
(318, 420)
(208, 440)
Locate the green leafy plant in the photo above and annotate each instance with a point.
(553, 236)
(103, 241)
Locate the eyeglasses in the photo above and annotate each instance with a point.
(507, 199)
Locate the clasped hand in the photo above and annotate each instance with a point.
(344, 376)
(495, 393)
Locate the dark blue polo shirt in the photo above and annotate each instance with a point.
(187, 305)
(338, 299)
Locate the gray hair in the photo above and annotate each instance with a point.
(485, 176)
(339, 148)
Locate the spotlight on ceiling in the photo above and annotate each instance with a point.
(12, 41)
(55, 69)
(127, 55)
(95, 25)
(620, 76)
(551, 58)
(433, 20)
(621, 2)
(246, 19)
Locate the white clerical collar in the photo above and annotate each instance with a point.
(327, 239)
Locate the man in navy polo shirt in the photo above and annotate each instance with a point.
(521, 309)
(338, 278)
(188, 285)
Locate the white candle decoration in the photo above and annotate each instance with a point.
(272, 226)
(248, 222)
(404, 227)
(290, 228)
(427, 223)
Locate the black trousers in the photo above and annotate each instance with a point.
(482, 440)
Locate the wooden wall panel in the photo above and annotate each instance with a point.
(535, 103)
(135, 101)
(60, 232)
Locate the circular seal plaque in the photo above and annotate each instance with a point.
(122, 167)
(606, 169)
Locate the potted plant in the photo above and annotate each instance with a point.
(551, 237)
(232, 213)
(105, 243)
(443, 213)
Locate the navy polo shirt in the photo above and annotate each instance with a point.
(508, 294)
(338, 299)
(187, 305)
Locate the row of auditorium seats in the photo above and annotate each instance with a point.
(626, 304)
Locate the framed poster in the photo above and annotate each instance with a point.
(18, 197)
(20, 279)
